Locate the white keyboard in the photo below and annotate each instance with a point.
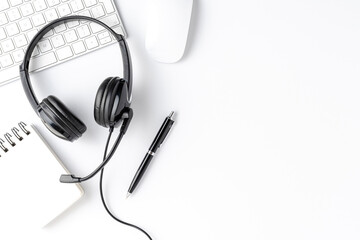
(20, 20)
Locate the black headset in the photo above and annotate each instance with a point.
(112, 102)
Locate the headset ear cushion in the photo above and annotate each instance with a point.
(53, 122)
(116, 102)
(62, 113)
(98, 100)
(109, 100)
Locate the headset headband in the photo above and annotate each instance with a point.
(24, 67)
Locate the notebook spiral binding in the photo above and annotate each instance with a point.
(16, 134)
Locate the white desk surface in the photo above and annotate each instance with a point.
(267, 134)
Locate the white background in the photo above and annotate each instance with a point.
(266, 141)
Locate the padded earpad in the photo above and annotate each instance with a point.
(62, 116)
(110, 102)
(98, 100)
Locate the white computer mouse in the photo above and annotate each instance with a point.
(168, 23)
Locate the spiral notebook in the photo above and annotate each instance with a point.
(31, 194)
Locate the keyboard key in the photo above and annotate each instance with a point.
(3, 19)
(72, 24)
(109, 8)
(15, 2)
(90, 3)
(49, 33)
(51, 15)
(119, 30)
(83, 31)
(7, 45)
(38, 19)
(105, 40)
(20, 40)
(2, 34)
(98, 11)
(39, 5)
(35, 52)
(13, 14)
(79, 47)
(64, 53)
(6, 60)
(85, 13)
(26, 9)
(111, 20)
(95, 28)
(91, 42)
(44, 45)
(77, 5)
(103, 34)
(18, 55)
(12, 29)
(53, 2)
(64, 10)
(60, 28)
(57, 41)
(4, 5)
(25, 24)
(9, 73)
(70, 36)
(31, 34)
(42, 61)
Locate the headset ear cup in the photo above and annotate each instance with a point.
(98, 102)
(121, 103)
(73, 120)
(111, 101)
(116, 103)
(53, 123)
(62, 119)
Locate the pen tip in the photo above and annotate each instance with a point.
(128, 195)
(171, 114)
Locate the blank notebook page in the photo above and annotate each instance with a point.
(29, 183)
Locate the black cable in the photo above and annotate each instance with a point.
(102, 194)
(106, 158)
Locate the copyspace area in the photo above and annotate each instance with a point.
(266, 140)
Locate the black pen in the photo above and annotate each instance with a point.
(156, 144)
